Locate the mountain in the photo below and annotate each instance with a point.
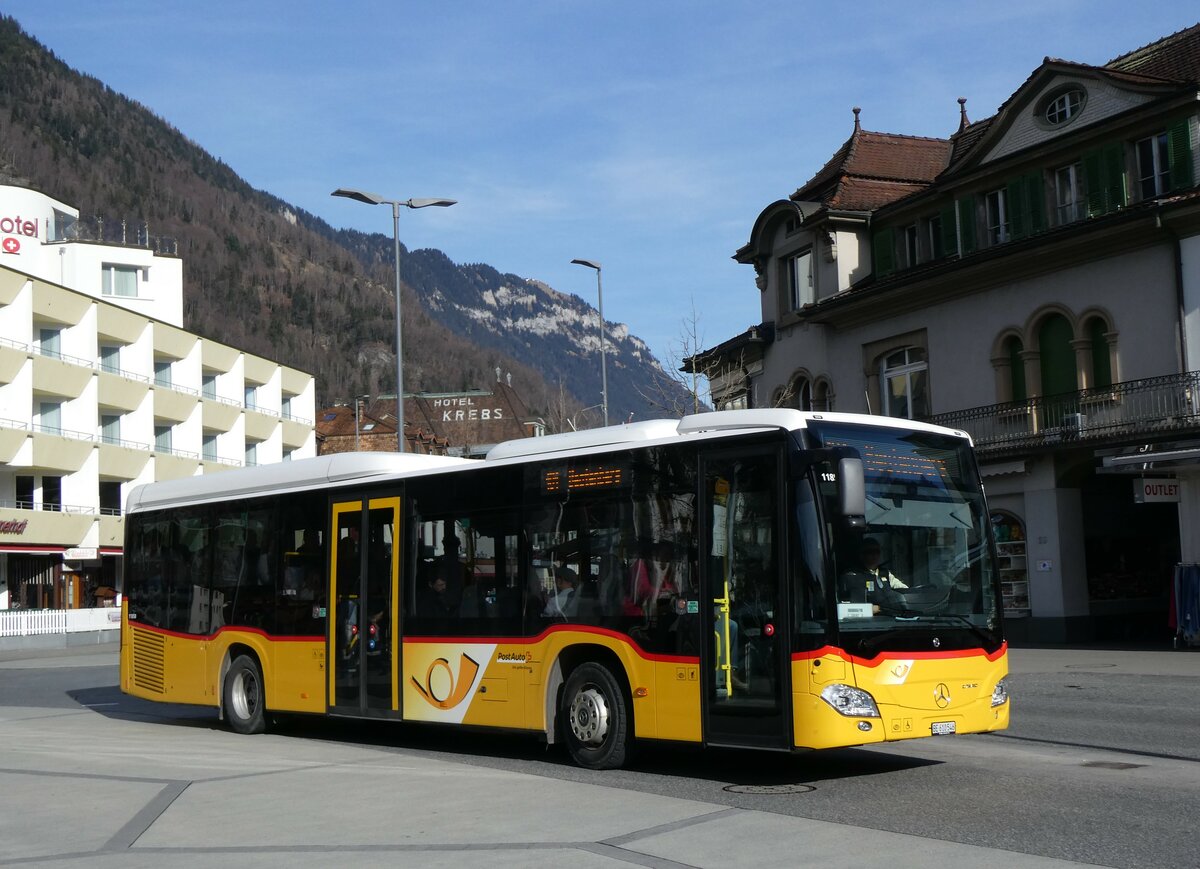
(280, 282)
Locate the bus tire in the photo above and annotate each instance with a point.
(244, 697)
(596, 719)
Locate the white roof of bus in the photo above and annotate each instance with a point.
(348, 467)
(721, 421)
(285, 477)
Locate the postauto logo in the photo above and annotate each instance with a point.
(442, 688)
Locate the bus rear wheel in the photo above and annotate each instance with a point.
(595, 715)
(244, 696)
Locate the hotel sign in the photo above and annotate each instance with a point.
(14, 526)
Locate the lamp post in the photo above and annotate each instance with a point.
(592, 264)
(376, 199)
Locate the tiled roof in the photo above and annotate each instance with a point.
(1175, 57)
(873, 169)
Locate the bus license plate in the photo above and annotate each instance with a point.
(943, 728)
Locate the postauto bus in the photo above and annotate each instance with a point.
(697, 580)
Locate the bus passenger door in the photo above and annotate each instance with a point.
(364, 570)
(744, 658)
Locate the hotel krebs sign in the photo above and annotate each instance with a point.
(1149, 490)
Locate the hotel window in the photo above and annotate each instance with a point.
(209, 449)
(1154, 166)
(50, 343)
(905, 378)
(162, 372)
(118, 280)
(110, 358)
(52, 494)
(1068, 193)
(997, 216)
(285, 409)
(208, 385)
(251, 455)
(110, 498)
(800, 280)
(251, 397)
(50, 417)
(24, 492)
(110, 428)
(162, 439)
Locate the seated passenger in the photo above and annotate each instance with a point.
(566, 601)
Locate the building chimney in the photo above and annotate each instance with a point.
(963, 122)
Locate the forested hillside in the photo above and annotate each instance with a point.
(280, 282)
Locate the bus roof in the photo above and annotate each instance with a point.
(304, 474)
(721, 421)
(285, 477)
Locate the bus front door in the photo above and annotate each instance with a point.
(744, 660)
(364, 648)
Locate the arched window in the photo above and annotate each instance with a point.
(822, 395)
(1016, 368)
(904, 376)
(1097, 333)
(1057, 356)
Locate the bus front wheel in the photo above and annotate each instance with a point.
(244, 696)
(595, 714)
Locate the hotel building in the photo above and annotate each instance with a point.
(102, 389)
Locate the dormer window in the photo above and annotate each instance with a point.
(1061, 106)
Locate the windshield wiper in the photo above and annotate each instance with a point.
(986, 636)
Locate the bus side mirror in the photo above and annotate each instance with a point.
(852, 492)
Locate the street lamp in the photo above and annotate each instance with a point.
(376, 199)
(592, 264)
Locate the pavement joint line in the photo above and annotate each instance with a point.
(636, 858)
(48, 773)
(70, 714)
(617, 841)
(125, 837)
(1089, 747)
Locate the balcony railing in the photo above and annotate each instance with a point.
(1135, 408)
(47, 507)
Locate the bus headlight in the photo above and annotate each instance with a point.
(1000, 693)
(850, 701)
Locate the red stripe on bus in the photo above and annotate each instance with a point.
(906, 656)
(283, 638)
(581, 629)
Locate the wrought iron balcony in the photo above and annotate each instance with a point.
(1133, 410)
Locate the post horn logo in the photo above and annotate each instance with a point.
(454, 691)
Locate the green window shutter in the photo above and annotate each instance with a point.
(884, 252)
(1035, 201)
(966, 224)
(1104, 174)
(949, 232)
(1016, 212)
(1093, 178)
(1179, 155)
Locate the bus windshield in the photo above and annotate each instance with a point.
(921, 565)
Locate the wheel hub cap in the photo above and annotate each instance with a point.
(589, 717)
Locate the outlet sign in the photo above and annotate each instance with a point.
(1155, 491)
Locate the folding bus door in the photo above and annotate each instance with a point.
(744, 657)
(364, 647)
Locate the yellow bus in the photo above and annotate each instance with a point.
(758, 578)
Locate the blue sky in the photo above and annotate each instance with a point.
(645, 135)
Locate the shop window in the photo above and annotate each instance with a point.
(1009, 533)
